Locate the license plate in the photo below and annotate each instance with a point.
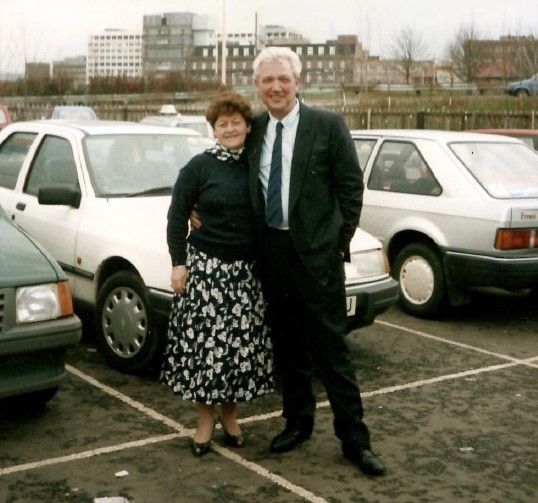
(351, 303)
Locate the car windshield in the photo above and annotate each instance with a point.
(505, 170)
(124, 165)
(74, 113)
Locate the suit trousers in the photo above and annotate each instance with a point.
(308, 325)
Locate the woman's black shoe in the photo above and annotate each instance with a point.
(200, 449)
(232, 440)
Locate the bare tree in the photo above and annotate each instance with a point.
(465, 53)
(407, 48)
(528, 56)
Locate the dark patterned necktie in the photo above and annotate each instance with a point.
(274, 198)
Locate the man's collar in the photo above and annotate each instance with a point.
(288, 119)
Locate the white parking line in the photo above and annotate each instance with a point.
(256, 468)
(128, 400)
(436, 338)
(87, 454)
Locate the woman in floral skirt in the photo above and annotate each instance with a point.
(218, 349)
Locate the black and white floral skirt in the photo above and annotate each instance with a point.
(218, 347)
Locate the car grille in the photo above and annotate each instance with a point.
(2, 304)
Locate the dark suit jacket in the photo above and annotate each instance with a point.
(325, 186)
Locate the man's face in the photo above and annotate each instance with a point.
(277, 87)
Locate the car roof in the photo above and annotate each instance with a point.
(428, 134)
(174, 119)
(72, 107)
(99, 127)
(508, 131)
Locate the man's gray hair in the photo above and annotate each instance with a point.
(272, 54)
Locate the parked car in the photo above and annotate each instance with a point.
(106, 225)
(527, 136)
(454, 211)
(73, 112)
(5, 116)
(196, 122)
(37, 323)
(525, 87)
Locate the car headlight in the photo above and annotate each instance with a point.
(366, 265)
(43, 302)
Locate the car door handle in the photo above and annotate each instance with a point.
(21, 206)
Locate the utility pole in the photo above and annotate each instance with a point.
(223, 65)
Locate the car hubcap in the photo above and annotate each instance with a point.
(125, 322)
(417, 280)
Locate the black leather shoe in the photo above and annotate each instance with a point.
(290, 438)
(366, 460)
(199, 449)
(232, 440)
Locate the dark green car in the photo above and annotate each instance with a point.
(37, 322)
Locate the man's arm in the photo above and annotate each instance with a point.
(348, 181)
(194, 219)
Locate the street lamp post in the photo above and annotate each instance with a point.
(223, 65)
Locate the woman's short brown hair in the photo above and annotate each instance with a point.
(228, 103)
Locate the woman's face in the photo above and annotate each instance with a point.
(231, 130)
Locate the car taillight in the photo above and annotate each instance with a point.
(516, 239)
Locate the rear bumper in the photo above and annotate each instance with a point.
(467, 270)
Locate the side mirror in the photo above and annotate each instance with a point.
(68, 195)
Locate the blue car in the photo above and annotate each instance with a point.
(527, 87)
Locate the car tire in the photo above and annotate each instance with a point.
(419, 270)
(522, 93)
(126, 335)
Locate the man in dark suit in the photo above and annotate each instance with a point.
(306, 221)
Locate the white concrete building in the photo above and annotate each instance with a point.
(114, 53)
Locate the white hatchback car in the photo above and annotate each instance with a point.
(196, 122)
(454, 211)
(96, 194)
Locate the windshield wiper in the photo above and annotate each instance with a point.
(165, 189)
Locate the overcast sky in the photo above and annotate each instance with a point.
(44, 30)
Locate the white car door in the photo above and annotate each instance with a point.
(55, 226)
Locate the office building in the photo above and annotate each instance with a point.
(114, 53)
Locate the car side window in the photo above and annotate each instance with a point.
(364, 149)
(13, 152)
(399, 167)
(53, 164)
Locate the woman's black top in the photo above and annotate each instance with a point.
(219, 189)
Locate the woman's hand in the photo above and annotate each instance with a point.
(178, 279)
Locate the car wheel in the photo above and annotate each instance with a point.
(419, 270)
(125, 333)
(522, 92)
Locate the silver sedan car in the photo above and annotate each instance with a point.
(454, 211)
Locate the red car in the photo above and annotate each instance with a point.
(5, 116)
(529, 136)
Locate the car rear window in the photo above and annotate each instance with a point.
(505, 170)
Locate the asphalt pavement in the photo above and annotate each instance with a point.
(451, 405)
